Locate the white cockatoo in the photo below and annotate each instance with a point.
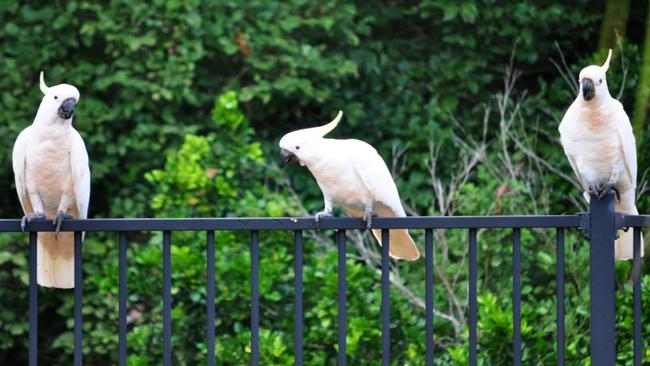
(597, 138)
(351, 174)
(50, 165)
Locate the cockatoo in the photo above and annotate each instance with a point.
(50, 165)
(351, 174)
(597, 138)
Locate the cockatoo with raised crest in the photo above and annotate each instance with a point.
(351, 174)
(50, 165)
(597, 138)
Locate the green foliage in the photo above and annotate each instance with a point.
(208, 169)
(182, 103)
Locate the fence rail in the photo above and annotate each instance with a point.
(600, 224)
(308, 223)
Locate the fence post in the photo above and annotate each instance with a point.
(602, 233)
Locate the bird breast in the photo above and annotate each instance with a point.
(597, 151)
(48, 169)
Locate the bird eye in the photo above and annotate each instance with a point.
(55, 97)
(297, 147)
(600, 81)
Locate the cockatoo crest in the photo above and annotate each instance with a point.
(605, 66)
(297, 142)
(54, 97)
(309, 133)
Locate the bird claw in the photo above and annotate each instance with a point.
(320, 215)
(367, 217)
(29, 218)
(601, 189)
(58, 221)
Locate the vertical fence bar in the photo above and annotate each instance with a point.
(559, 282)
(211, 293)
(385, 297)
(78, 300)
(601, 269)
(428, 283)
(473, 316)
(33, 301)
(636, 277)
(167, 299)
(123, 298)
(516, 295)
(342, 309)
(255, 298)
(298, 314)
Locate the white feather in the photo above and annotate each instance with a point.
(19, 165)
(375, 176)
(628, 142)
(80, 173)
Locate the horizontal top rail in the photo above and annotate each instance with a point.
(301, 223)
(636, 220)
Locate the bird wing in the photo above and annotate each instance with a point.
(566, 130)
(628, 143)
(80, 174)
(376, 177)
(19, 162)
(572, 162)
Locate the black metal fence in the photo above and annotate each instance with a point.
(600, 224)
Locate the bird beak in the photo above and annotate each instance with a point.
(67, 108)
(588, 90)
(287, 156)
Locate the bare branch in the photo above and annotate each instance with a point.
(564, 70)
(397, 153)
(373, 260)
(624, 66)
(545, 163)
(644, 185)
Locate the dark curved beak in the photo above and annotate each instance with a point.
(588, 89)
(67, 108)
(287, 156)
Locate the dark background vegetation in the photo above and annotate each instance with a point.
(182, 105)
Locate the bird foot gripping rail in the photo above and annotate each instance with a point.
(601, 224)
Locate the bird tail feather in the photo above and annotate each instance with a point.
(625, 242)
(401, 245)
(55, 260)
(625, 245)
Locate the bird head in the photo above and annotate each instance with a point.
(593, 82)
(58, 102)
(299, 146)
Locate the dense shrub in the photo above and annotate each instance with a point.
(182, 103)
